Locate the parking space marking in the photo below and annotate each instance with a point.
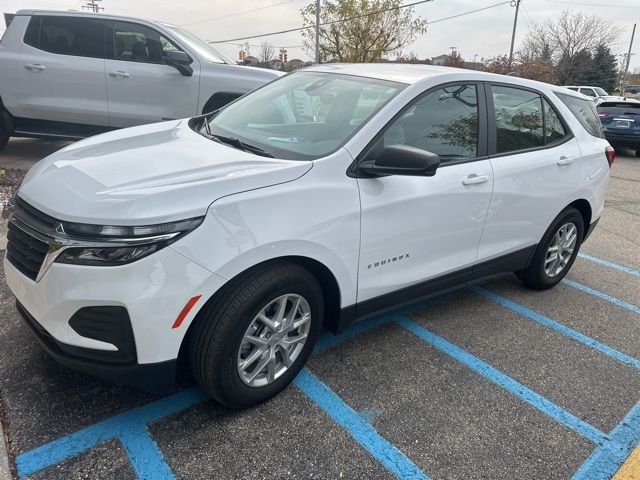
(630, 470)
(608, 263)
(143, 451)
(602, 295)
(552, 324)
(607, 457)
(502, 380)
(361, 431)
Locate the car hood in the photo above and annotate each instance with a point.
(145, 175)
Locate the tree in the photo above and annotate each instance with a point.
(498, 64)
(533, 67)
(267, 53)
(454, 60)
(360, 30)
(603, 72)
(574, 70)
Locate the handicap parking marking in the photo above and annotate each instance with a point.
(610, 264)
(552, 324)
(504, 381)
(602, 295)
(361, 431)
(608, 457)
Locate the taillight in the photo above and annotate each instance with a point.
(603, 114)
(611, 155)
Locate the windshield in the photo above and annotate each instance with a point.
(304, 115)
(601, 92)
(202, 48)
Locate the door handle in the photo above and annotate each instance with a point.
(35, 67)
(565, 160)
(119, 73)
(474, 179)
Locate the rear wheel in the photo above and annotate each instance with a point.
(637, 153)
(556, 251)
(253, 340)
(4, 130)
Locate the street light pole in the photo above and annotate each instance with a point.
(317, 31)
(514, 3)
(626, 67)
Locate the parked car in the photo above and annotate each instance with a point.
(330, 195)
(621, 123)
(72, 74)
(633, 89)
(594, 92)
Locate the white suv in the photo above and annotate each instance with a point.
(327, 196)
(72, 75)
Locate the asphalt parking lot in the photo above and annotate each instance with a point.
(490, 382)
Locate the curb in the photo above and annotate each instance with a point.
(5, 473)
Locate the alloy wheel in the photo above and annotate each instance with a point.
(274, 340)
(560, 249)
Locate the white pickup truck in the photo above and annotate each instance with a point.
(74, 74)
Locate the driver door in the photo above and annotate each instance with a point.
(422, 233)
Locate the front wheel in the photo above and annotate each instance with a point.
(249, 343)
(556, 251)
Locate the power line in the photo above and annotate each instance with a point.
(237, 13)
(298, 29)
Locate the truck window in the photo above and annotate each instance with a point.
(64, 35)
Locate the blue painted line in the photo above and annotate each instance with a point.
(80, 441)
(383, 451)
(499, 378)
(602, 295)
(558, 327)
(143, 452)
(607, 263)
(607, 458)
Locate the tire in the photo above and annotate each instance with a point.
(4, 131)
(542, 274)
(637, 153)
(218, 345)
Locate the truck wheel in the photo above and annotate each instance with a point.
(556, 251)
(4, 131)
(252, 340)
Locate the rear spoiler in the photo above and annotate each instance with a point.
(8, 17)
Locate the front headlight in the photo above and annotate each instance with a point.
(106, 245)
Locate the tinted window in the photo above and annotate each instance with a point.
(553, 128)
(81, 37)
(444, 122)
(137, 43)
(518, 115)
(588, 91)
(620, 105)
(585, 112)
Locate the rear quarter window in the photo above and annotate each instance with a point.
(585, 112)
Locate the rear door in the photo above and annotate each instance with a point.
(62, 76)
(536, 167)
(141, 87)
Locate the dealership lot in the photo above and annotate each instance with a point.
(491, 382)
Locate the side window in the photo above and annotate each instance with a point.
(518, 116)
(80, 37)
(444, 122)
(553, 128)
(585, 111)
(588, 91)
(138, 43)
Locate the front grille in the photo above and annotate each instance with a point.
(35, 214)
(25, 252)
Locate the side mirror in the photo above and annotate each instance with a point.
(180, 61)
(401, 160)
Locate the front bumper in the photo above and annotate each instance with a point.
(153, 377)
(152, 290)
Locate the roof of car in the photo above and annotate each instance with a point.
(79, 12)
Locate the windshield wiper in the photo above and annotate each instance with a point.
(240, 145)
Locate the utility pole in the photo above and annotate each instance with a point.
(317, 31)
(514, 3)
(93, 6)
(626, 67)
